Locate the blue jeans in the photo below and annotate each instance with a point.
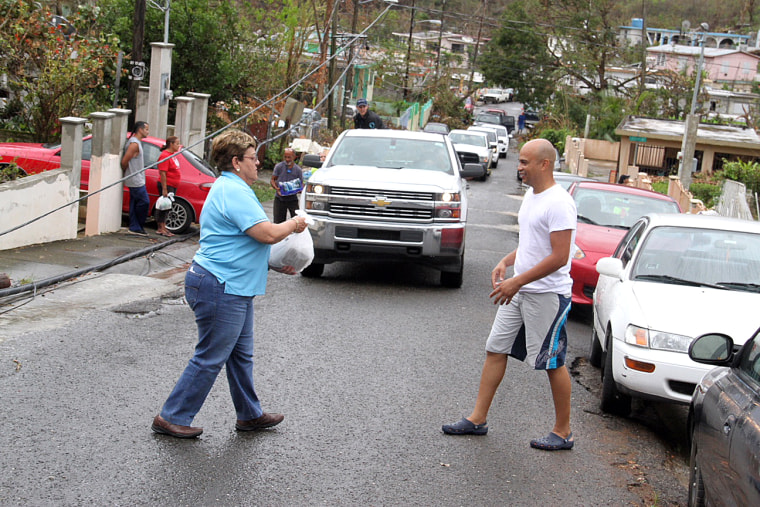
(225, 337)
(138, 208)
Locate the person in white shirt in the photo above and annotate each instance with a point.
(535, 301)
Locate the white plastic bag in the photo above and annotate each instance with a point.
(296, 250)
(163, 203)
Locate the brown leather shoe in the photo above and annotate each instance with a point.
(161, 425)
(265, 421)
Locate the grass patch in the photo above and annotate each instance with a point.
(263, 191)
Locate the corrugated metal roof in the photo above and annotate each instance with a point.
(672, 130)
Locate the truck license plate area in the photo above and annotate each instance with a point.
(378, 234)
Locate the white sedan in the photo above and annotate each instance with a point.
(672, 278)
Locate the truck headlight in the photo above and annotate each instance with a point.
(448, 205)
(316, 197)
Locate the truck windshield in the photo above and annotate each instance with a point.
(393, 153)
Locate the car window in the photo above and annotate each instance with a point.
(628, 244)
(750, 363)
(199, 163)
(618, 209)
(728, 259)
(87, 149)
(488, 118)
(393, 153)
(150, 153)
(473, 139)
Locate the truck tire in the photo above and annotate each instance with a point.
(313, 270)
(453, 279)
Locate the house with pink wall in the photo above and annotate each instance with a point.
(733, 69)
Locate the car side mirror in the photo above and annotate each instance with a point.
(714, 349)
(610, 266)
(472, 171)
(312, 160)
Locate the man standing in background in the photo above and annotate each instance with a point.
(133, 165)
(287, 181)
(366, 119)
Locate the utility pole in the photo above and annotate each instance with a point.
(138, 34)
(409, 52)
(350, 73)
(644, 44)
(691, 125)
(477, 46)
(440, 37)
(331, 75)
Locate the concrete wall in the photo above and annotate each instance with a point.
(33, 196)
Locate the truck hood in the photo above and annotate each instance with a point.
(471, 148)
(357, 176)
(682, 314)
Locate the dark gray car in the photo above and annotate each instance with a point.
(724, 419)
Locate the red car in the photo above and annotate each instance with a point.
(605, 213)
(197, 176)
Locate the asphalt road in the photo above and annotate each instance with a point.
(366, 363)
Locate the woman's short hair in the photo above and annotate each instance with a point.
(229, 144)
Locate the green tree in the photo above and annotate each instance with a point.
(518, 55)
(209, 40)
(52, 70)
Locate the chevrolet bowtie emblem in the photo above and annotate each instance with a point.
(380, 201)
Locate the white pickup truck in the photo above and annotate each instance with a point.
(389, 195)
(495, 95)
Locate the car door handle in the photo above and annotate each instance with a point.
(728, 425)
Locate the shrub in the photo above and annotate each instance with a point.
(743, 172)
(556, 136)
(660, 186)
(708, 193)
(10, 172)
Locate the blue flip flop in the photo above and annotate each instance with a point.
(553, 442)
(465, 427)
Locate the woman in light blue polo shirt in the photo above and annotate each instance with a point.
(229, 269)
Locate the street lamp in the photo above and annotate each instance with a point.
(692, 120)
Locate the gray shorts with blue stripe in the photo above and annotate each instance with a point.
(531, 328)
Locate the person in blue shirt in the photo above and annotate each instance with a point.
(228, 271)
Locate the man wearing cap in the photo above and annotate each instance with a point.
(366, 119)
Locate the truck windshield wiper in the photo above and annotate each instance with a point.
(678, 281)
(749, 287)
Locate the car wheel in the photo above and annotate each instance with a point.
(613, 401)
(453, 279)
(313, 270)
(595, 350)
(696, 485)
(180, 217)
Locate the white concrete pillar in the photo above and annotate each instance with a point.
(183, 119)
(72, 131)
(160, 87)
(141, 108)
(103, 208)
(198, 124)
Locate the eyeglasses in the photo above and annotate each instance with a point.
(254, 158)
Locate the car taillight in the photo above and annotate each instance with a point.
(206, 186)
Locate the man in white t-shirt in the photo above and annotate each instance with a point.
(535, 301)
